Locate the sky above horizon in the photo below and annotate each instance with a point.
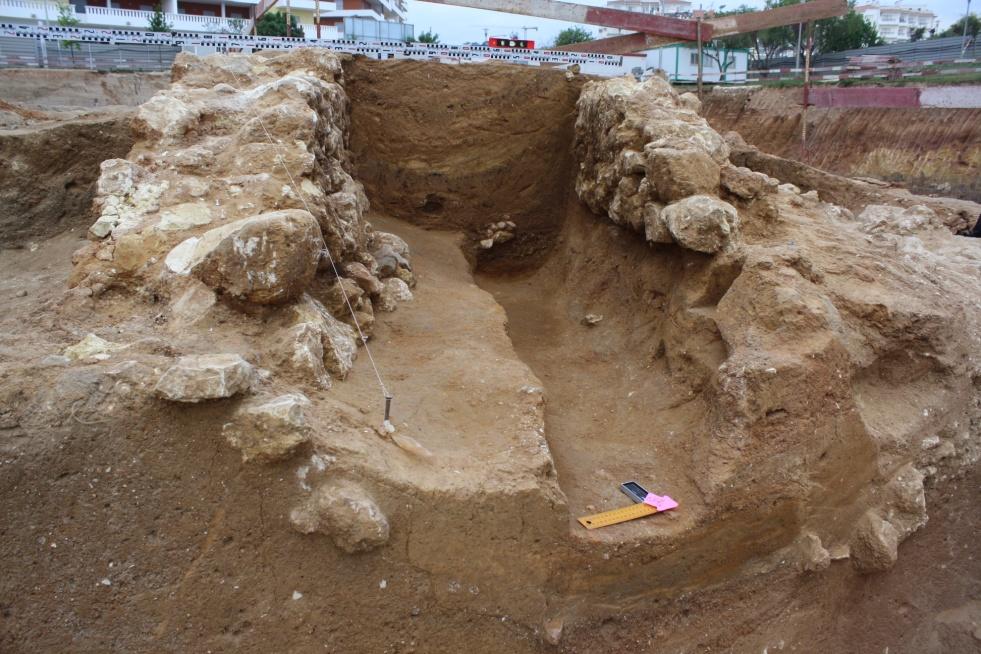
(457, 25)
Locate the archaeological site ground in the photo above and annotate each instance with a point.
(214, 280)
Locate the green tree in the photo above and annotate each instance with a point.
(763, 45)
(158, 22)
(918, 34)
(849, 32)
(274, 24)
(66, 18)
(957, 29)
(429, 36)
(572, 35)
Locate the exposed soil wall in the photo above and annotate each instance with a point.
(51, 89)
(928, 150)
(464, 146)
(48, 174)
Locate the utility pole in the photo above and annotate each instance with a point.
(698, 36)
(800, 32)
(967, 14)
(289, 32)
(316, 16)
(807, 91)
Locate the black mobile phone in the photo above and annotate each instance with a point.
(634, 491)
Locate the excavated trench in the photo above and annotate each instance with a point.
(444, 150)
(625, 398)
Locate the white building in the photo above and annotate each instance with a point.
(656, 7)
(234, 16)
(680, 62)
(896, 22)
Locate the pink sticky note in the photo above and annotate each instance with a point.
(660, 502)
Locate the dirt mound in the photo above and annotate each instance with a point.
(930, 151)
(53, 89)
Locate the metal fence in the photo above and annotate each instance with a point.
(39, 53)
(946, 49)
(368, 28)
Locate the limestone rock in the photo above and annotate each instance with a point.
(338, 340)
(813, 556)
(304, 351)
(342, 292)
(266, 259)
(268, 429)
(874, 547)
(205, 377)
(393, 241)
(747, 184)
(690, 102)
(363, 277)
(904, 504)
(654, 228)
(193, 304)
(166, 116)
(878, 218)
(389, 260)
(346, 513)
(395, 291)
(125, 193)
(553, 630)
(91, 347)
(627, 207)
(701, 223)
(677, 174)
(185, 216)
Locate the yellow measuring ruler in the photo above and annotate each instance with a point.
(616, 516)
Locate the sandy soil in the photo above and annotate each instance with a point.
(195, 568)
(130, 524)
(930, 151)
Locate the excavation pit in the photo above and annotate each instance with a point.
(799, 390)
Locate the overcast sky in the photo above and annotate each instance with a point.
(458, 25)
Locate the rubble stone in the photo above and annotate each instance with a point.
(702, 223)
(268, 429)
(266, 259)
(195, 378)
(677, 174)
(874, 547)
(346, 513)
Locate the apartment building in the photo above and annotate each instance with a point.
(658, 7)
(229, 16)
(897, 22)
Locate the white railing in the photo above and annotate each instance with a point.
(326, 31)
(32, 10)
(37, 10)
(178, 22)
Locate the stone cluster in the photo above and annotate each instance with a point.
(653, 165)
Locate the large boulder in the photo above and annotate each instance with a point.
(269, 429)
(265, 259)
(677, 174)
(702, 223)
(346, 513)
(200, 377)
